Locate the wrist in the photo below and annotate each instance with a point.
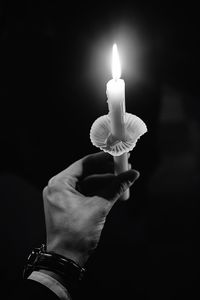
(77, 257)
(65, 270)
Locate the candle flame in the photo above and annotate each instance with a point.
(116, 67)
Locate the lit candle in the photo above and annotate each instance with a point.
(116, 104)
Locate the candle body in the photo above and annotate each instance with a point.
(116, 104)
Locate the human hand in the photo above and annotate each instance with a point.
(77, 201)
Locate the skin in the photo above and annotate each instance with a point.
(77, 201)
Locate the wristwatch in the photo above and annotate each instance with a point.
(69, 271)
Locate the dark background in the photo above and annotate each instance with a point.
(149, 247)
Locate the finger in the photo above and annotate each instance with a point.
(124, 181)
(108, 186)
(96, 185)
(97, 163)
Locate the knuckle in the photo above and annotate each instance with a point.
(51, 181)
(49, 189)
(54, 184)
(44, 192)
(123, 187)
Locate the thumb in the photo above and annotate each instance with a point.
(108, 186)
(124, 181)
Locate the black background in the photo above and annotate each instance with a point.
(148, 248)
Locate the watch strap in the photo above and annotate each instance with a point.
(69, 271)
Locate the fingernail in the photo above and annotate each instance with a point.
(131, 181)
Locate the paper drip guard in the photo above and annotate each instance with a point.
(101, 136)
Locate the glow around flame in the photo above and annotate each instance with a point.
(116, 66)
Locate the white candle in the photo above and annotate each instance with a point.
(116, 104)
